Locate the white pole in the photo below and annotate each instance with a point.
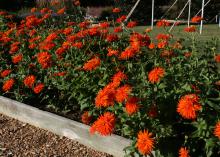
(189, 13)
(132, 10)
(204, 6)
(202, 15)
(219, 21)
(152, 15)
(178, 16)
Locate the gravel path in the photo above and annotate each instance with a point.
(18, 139)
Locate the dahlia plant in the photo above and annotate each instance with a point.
(160, 92)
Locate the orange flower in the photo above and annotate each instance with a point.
(86, 118)
(196, 19)
(92, 64)
(121, 19)
(148, 30)
(117, 78)
(116, 10)
(190, 29)
(112, 37)
(132, 106)
(145, 143)
(151, 46)
(188, 105)
(156, 74)
(183, 152)
(129, 52)
(44, 58)
(112, 52)
(8, 85)
(104, 125)
(5, 73)
(38, 88)
(162, 44)
(162, 23)
(33, 10)
(122, 93)
(132, 24)
(61, 11)
(51, 37)
(188, 54)
(118, 29)
(106, 96)
(29, 80)
(104, 24)
(217, 58)
(17, 58)
(217, 130)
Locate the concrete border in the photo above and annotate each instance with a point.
(113, 144)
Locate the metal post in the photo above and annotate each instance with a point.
(189, 13)
(219, 21)
(202, 15)
(152, 15)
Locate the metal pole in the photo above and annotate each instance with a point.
(189, 13)
(178, 16)
(132, 10)
(152, 15)
(219, 21)
(202, 15)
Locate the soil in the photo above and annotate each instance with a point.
(19, 139)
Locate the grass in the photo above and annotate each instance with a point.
(210, 31)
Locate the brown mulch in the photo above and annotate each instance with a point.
(18, 139)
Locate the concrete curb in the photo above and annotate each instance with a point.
(113, 144)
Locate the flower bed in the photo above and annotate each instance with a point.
(160, 93)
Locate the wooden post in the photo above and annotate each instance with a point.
(152, 15)
(202, 15)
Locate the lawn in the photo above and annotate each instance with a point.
(210, 31)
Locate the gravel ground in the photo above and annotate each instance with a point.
(18, 139)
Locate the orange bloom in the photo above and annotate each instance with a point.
(44, 58)
(51, 37)
(117, 78)
(121, 19)
(196, 19)
(61, 11)
(190, 29)
(29, 80)
(132, 105)
(217, 58)
(188, 105)
(5, 73)
(104, 24)
(17, 58)
(162, 44)
(86, 118)
(183, 152)
(156, 74)
(129, 52)
(38, 88)
(104, 125)
(132, 24)
(92, 64)
(33, 10)
(106, 96)
(112, 37)
(217, 130)
(116, 10)
(188, 54)
(145, 143)
(122, 93)
(8, 85)
(148, 30)
(118, 29)
(162, 23)
(151, 46)
(112, 52)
